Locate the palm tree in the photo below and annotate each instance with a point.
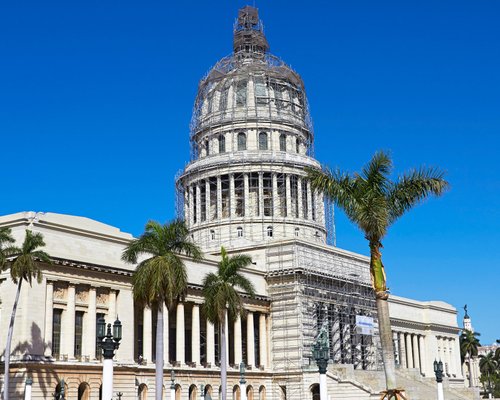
(221, 299)
(5, 239)
(25, 266)
(469, 344)
(373, 202)
(161, 277)
(488, 365)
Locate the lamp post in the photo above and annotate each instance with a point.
(27, 389)
(172, 385)
(243, 382)
(438, 370)
(202, 391)
(108, 342)
(320, 353)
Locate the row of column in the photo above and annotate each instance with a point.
(68, 321)
(447, 353)
(194, 205)
(410, 350)
(210, 337)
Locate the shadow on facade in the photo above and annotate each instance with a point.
(32, 354)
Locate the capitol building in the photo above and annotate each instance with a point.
(245, 189)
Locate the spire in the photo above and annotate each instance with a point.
(249, 39)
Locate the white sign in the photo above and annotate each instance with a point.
(364, 325)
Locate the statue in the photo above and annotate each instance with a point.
(465, 309)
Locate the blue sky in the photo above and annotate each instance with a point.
(96, 98)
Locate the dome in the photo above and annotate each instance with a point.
(250, 84)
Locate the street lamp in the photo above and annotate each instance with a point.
(320, 353)
(172, 385)
(108, 342)
(202, 391)
(27, 389)
(438, 370)
(243, 382)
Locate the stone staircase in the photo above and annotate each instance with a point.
(368, 384)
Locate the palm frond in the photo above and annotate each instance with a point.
(413, 188)
(376, 172)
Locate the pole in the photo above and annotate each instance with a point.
(107, 379)
(440, 391)
(243, 391)
(172, 392)
(323, 391)
(27, 389)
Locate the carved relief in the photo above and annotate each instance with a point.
(60, 290)
(82, 294)
(102, 296)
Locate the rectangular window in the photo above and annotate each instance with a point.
(98, 351)
(260, 91)
(254, 194)
(294, 193)
(56, 332)
(281, 206)
(203, 198)
(305, 204)
(78, 333)
(267, 191)
(213, 198)
(239, 195)
(226, 197)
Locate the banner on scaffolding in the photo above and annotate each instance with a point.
(364, 325)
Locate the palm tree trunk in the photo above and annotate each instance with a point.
(159, 353)
(223, 358)
(9, 342)
(384, 321)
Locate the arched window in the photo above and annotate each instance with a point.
(297, 230)
(177, 392)
(282, 142)
(262, 393)
(83, 391)
(142, 392)
(297, 145)
(193, 390)
(222, 144)
(207, 147)
(212, 234)
(250, 393)
(263, 141)
(239, 231)
(315, 392)
(270, 231)
(242, 141)
(236, 392)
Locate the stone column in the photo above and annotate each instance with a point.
(402, 349)
(409, 350)
(210, 344)
(179, 335)
(397, 354)
(232, 197)
(416, 355)
(198, 202)
(147, 335)
(90, 326)
(207, 200)
(186, 205)
(299, 197)
(112, 306)
(288, 191)
(456, 356)
(261, 194)
(336, 356)
(238, 357)
(191, 205)
(246, 193)
(219, 197)
(69, 326)
(309, 201)
(195, 334)
(320, 206)
(49, 316)
(166, 334)
(250, 340)
(262, 340)
(276, 200)
(423, 355)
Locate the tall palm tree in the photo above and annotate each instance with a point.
(488, 365)
(161, 277)
(469, 344)
(373, 202)
(24, 267)
(221, 299)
